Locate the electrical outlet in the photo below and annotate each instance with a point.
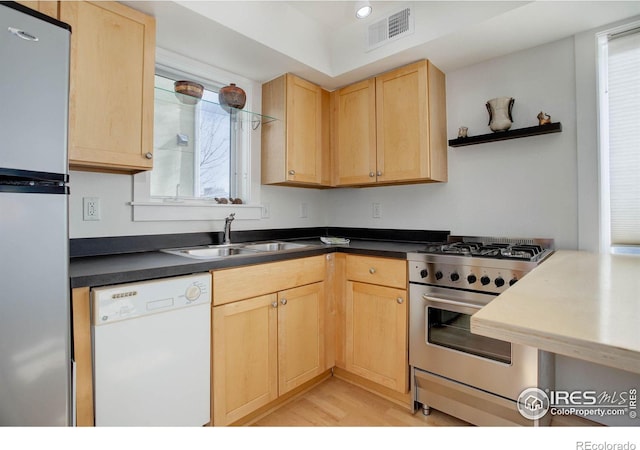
(376, 210)
(90, 208)
(266, 211)
(304, 210)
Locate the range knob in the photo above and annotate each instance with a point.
(438, 275)
(472, 278)
(424, 273)
(513, 281)
(485, 280)
(454, 276)
(499, 281)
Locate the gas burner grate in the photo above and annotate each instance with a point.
(525, 251)
(460, 248)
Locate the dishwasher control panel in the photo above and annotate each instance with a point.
(126, 301)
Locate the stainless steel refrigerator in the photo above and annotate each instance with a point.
(35, 361)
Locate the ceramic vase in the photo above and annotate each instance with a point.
(232, 96)
(500, 108)
(188, 92)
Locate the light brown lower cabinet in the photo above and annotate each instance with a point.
(267, 345)
(245, 357)
(374, 329)
(277, 326)
(376, 334)
(301, 352)
(82, 355)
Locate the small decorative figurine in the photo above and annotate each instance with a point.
(543, 118)
(222, 201)
(235, 201)
(462, 132)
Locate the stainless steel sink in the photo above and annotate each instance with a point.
(229, 250)
(274, 246)
(210, 252)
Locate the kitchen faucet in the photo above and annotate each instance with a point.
(227, 228)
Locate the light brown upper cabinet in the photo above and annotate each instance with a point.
(295, 148)
(111, 86)
(391, 129)
(50, 8)
(354, 128)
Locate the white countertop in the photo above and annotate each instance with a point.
(579, 304)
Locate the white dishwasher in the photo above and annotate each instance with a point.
(151, 352)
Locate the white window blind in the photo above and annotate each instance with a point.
(624, 137)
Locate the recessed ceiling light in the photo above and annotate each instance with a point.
(363, 9)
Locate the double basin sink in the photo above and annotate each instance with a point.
(227, 250)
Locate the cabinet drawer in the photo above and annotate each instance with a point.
(239, 283)
(381, 271)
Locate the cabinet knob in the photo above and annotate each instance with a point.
(274, 304)
(372, 270)
(379, 173)
(399, 300)
(148, 155)
(292, 172)
(283, 301)
(372, 174)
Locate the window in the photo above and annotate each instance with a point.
(201, 152)
(192, 146)
(620, 139)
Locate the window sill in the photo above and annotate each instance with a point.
(164, 211)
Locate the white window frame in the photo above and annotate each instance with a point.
(603, 126)
(146, 208)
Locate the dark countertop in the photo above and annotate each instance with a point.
(101, 270)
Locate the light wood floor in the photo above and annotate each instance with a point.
(337, 403)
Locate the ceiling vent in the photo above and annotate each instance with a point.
(392, 27)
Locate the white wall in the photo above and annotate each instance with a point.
(116, 192)
(520, 188)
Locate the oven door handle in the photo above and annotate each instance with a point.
(455, 303)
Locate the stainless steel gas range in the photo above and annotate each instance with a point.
(472, 377)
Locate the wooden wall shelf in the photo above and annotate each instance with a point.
(554, 127)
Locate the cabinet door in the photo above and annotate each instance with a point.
(50, 8)
(245, 345)
(354, 149)
(376, 334)
(111, 86)
(301, 352)
(304, 131)
(402, 115)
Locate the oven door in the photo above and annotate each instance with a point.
(441, 343)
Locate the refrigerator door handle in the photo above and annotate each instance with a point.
(23, 34)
